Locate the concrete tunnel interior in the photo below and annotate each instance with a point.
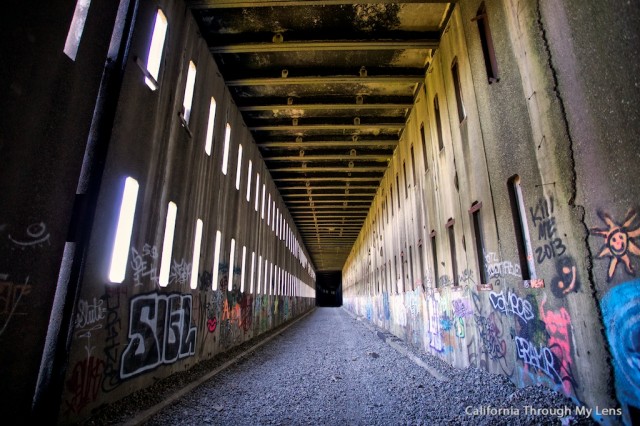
(461, 174)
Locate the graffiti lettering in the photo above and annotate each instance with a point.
(496, 268)
(511, 303)
(90, 313)
(10, 296)
(160, 332)
(491, 336)
(37, 234)
(143, 265)
(180, 272)
(542, 359)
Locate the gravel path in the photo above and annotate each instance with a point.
(332, 369)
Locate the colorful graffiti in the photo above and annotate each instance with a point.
(566, 279)
(618, 242)
(510, 303)
(160, 332)
(621, 316)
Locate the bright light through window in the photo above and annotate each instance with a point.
(259, 274)
(253, 268)
(195, 265)
(239, 167)
(216, 260)
(249, 181)
(77, 27)
(167, 243)
(232, 256)
(120, 252)
(242, 267)
(257, 189)
(155, 50)
(188, 91)
(262, 209)
(212, 118)
(269, 211)
(225, 154)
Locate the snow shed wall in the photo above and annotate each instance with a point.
(442, 261)
(128, 335)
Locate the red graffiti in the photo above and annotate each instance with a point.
(84, 383)
(212, 324)
(557, 324)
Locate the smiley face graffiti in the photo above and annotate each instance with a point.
(618, 242)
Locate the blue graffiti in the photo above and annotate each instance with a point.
(621, 315)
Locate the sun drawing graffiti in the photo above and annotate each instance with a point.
(618, 242)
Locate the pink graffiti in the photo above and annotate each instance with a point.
(557, 324)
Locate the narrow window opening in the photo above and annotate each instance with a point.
(402, 275)
(263, 192)
(395, 275)
(411, 283)
(257, 191)
(391, 199)
(490, 62)
(269, 211)
(423, 138)
(124, 229)
(225, 154)
(155, 50)
(239, 167)
(398, 186)
(434, 257)
(458, 89)
(479, 240)
(216, 261)
(436, 108)
(249, 181)
(259, 275)
(413, 166)
(232, 257)
(210, 126)
(452, 249)
(188, 92)
(523, 241)
(195, 262)
(167, 243)
(253, 270)
(76, 28)
(242, 268)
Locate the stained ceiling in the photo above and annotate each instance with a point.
(325, 88)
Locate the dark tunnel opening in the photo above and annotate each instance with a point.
(329, 289)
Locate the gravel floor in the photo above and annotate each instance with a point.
(332, 369)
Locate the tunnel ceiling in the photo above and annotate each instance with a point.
(325, 88)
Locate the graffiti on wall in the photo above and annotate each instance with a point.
(618, 242)
(143, 264)
(566, 278)
(497, 268)
(551, 244)
(112, 346)
(160, 332)
(86, 376)
(621, 316)
(36, 234)
(11, 300)
(510, 303)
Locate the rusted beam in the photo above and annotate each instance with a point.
(328, 144)
(315, 107)
(364, 157)
(279, 81)
(229, 4)
(328, 169)
(317, 46)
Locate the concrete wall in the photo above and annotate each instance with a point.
(567, 133)
(47, 104)
(125, 335)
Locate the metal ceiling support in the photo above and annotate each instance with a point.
(303, 127)
(316, 46)
(228, 4)
(332, 107)
(350, 195)
(329, 169)
(328, 144)
(365, 157)
(279, 81)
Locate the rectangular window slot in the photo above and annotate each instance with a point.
(155, 50)
(452, 249)
(253, 270)
(458, 90)
(249, 181)
(523, 240)
(239, 167)
(225, 153)
(434, 257)
(167, 243)
(479, 240)
(423, 138)
(259, 275)
(436, 108)
(76, 28)
(232, 258)
(490, 62)
(195, 263)
(242, 268)
(210, 126)
(216, 260)
(257, 191)
(188, 93)
(124, 229)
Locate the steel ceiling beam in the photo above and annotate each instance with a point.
(318, 46)
(329, 169)
(316, 107)
(304, 127)
(328, 179)
(230, 4)
(279, 81)
(335, 194)
(328, 144)
(313, 188)
(363, 157)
